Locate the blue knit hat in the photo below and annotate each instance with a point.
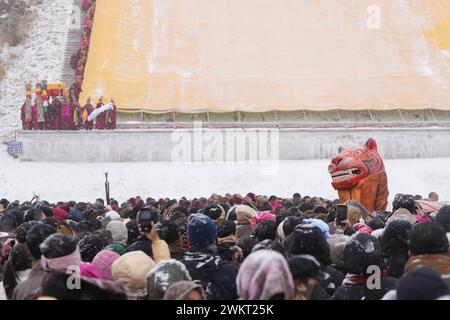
(201, 230)
(421, 283)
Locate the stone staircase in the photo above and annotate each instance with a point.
(72, 45)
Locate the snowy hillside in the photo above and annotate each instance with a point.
(40, 57)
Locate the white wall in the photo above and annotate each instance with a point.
(286, 144)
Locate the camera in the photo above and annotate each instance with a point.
(145, 217)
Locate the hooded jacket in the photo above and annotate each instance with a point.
(244, 216)
(217, 278)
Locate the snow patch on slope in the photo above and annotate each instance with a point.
(40, 57)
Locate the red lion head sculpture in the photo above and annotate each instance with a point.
(359, 174)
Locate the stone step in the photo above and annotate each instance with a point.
(72, 46)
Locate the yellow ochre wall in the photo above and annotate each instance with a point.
(263, 55)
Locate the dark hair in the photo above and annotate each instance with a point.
(443, 217)
(57, 245)
(33, 214)
(47, 211)
(19, 260)
(308, 239)
(405, 201)
(22, 230)
(18, 214)
(360, 252)
(90, 245)
(225, 205)
(265, 206)
(288, 204)
(133, 232)
(303, 267)
(51, 221)
(90, 225)
(428, 238)
(36, 236)
(394, 239)
(168, 231)
(246, 243)
(376, 224)
(8, 222)
(290, 223)
(4, 202)
(81, 206)
(213, 210)
(266, 230)
(226, 229)
(105, 236)
(306, 206)
(320, 209)
(268, 244)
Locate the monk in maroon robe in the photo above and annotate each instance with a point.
(111, 117)
(27, 117)
(34, 116)
(66, 115)
(76, 116)
(100, 123)
(87, 110)
(55, 111)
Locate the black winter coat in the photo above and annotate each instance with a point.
(143, 244)
(330, 279)
(362, 292)
(217, 277)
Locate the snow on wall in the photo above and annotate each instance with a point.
(40, 57)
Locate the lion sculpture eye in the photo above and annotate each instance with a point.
(358, 153)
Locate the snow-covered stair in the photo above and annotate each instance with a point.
(72, 43)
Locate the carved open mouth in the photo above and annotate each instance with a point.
(344, 175)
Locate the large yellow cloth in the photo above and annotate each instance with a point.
(261, 55)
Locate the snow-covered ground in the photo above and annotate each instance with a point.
(40, 57)
(85, 181)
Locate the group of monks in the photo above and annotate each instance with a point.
(59, 110)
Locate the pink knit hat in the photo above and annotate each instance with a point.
(365, 229)
(103, 261)
(89, 270)
(276, 205)
(260, 217)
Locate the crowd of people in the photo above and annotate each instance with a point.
(58, 109)
(226, 247)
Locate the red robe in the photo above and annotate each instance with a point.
(55, 112)
(77, 122)
(100, 123)
(34, 116)
(27, 119)
(111, 116)
(66, 116)
(88, 125)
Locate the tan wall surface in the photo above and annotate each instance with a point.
(261, 55)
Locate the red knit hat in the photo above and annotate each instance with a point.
(59, 214)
